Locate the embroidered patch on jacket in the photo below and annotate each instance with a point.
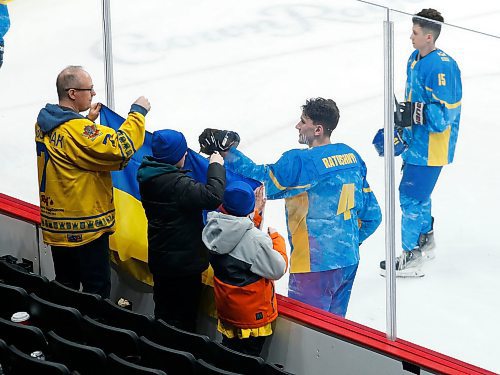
(91, 132)
(259, 316)
(75, 238)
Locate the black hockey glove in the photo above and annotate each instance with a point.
(212, 140)
(408, 114)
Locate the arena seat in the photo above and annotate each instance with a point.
(173, 362)
(122, 342)
(176, 338)
(25, 338)
(117, 316)
(21, 363)
(87, 303)
(15, 275)
(4, 355)
(270, 369)
(231, 360)
(117, 365)
(87, 360)
(64, 320)
(205, 368)
(13, 299)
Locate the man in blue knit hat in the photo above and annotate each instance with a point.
(173, 202)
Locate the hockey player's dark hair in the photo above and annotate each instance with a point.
(322, 112)
(430, 14)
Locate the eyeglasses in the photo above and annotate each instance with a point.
(77, 89)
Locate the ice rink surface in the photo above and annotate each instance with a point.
(248, 66)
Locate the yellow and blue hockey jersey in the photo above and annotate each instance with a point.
(330, 208)
(435, 81)
(75, 157)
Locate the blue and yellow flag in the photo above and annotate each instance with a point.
(129, 243)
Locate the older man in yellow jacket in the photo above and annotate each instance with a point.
(75, 157)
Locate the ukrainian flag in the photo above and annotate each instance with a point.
(129, 243)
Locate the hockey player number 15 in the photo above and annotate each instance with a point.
(441, 79)
(346, 201)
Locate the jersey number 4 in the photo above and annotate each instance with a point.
(346, 201)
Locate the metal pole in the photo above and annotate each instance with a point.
(389, 178)
(108, 54)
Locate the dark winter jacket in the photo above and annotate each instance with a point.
(173, 203)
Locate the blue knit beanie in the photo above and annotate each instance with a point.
(169, 146)
(239, 199)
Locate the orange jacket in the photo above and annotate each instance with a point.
(245, 262)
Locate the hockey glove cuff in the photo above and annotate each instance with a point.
(408, 114)
(418, 113)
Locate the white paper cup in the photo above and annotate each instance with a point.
(21, 317)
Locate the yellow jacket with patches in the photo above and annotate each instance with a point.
(75, 158)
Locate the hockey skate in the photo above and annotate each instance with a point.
(426, 244)
(408, 264)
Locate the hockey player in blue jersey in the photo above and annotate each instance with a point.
(4, 26)
(430, 119)
(330, 208)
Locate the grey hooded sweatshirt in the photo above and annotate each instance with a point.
(239, 252)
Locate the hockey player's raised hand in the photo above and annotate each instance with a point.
(212, 140)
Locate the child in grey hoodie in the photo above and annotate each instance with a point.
(245, 261)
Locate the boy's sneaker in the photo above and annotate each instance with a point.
(426, 244)
(408, 264)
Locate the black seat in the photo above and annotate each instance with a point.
(4, 355)
(117, 316)
(17, 276)
(64, 320)
(117, 365)
(231, 360)
(26, 338)
(13, 299)
(122, 342)
(21, 363)
(270, 369)
(87, 303)
(205, 368)
(87, 360)
(176, 338)
(173, 362)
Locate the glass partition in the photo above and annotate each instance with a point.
(452, 308)
(41, 41)
(249, 67)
